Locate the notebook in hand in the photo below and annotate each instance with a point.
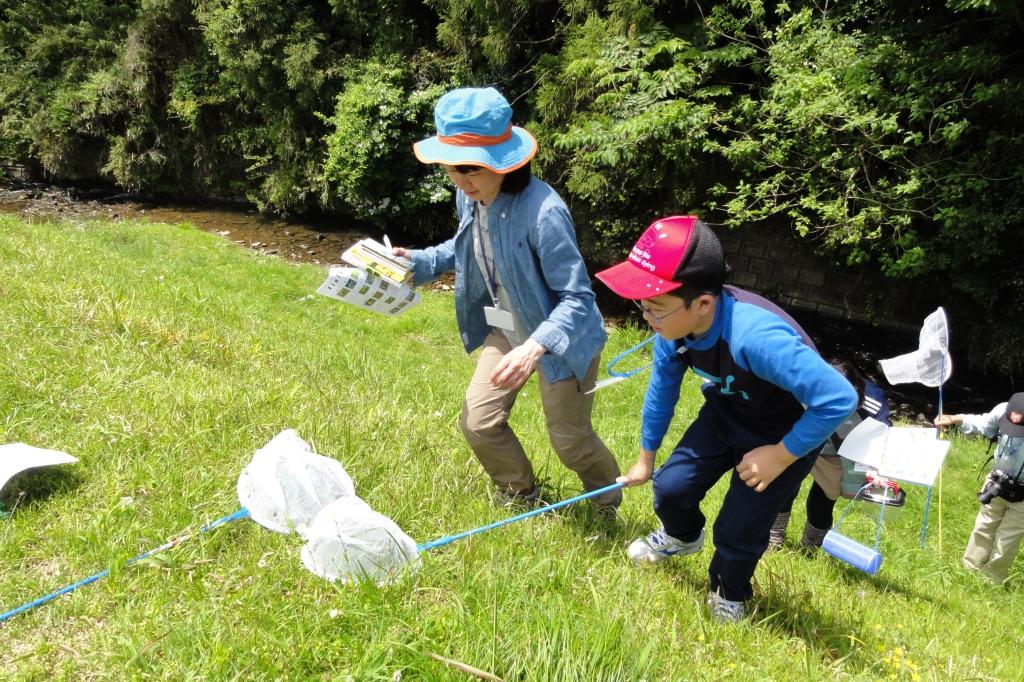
(371, 255)
(366, 290)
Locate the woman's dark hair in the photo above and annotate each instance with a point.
(516, 181)
(511, 183)
(852, 374)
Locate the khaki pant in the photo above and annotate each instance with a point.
(828, 474)
(995, 539)
(567, 411)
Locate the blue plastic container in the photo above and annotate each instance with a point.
(859, 556)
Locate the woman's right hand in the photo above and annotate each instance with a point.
(944, 421)
(400, 252)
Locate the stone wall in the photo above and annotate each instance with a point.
(788, 272)
(15, 171)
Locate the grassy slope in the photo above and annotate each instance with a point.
(163, 357)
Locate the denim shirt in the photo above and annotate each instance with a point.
(539, 263)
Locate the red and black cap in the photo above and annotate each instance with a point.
(673, 251)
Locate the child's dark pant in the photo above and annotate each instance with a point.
(713, 445)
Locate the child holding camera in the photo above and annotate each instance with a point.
(999, 528)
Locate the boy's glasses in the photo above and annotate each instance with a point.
(644, 310)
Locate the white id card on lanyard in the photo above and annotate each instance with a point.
(495, 316)
(501, 319)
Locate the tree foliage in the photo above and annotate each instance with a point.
(885, 134)
(627, 107)
(888, 137)
(370, 166)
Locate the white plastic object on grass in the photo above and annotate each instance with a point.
(286, 484)
(18, 457)
(348, 541)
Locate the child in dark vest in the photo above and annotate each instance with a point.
(834, 475)
(771, 404)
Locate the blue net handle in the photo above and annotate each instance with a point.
(240, 514)
(626, 353)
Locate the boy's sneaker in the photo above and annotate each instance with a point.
(659, 546)
(777, 535)
(529, 500)
(723, 610)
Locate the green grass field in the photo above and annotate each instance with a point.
(163, 357)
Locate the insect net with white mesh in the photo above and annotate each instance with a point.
(287, 484)
(349, 541)
(289, 487)
(931, 363)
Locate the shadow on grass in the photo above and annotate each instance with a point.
(604, 528)
(828, 636)
(856, 580)
(835, 629)
(826, 633)
(37, 485)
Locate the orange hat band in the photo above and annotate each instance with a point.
(473, 140)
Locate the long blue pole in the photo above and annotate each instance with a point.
(448, 539)
(942, 378)
(240, 514)
(927, 510)
(244, 513)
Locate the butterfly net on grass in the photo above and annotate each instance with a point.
(288, 487)
(287, 484)
(350, 541)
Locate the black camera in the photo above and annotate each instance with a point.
(1001, 484)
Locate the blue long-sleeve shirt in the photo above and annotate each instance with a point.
(765, 366)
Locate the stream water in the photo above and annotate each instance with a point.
(322, 242)
(319, 243)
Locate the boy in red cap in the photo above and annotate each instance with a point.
(770, 403)
(999, 528)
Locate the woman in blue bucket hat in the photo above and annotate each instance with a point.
(522, 295)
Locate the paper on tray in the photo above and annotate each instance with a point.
(866, 443)
(913, 454)
(904, 453)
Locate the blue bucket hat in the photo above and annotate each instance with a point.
(474, 128)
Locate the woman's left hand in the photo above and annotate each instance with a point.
(515, 368)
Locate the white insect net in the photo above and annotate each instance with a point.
(930, 364)
(287, 484)
(349, 541)
(287, 487)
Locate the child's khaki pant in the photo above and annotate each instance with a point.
(997, 534)
(567, 411)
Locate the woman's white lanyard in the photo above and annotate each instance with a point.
(616, 376)
(495, 316)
